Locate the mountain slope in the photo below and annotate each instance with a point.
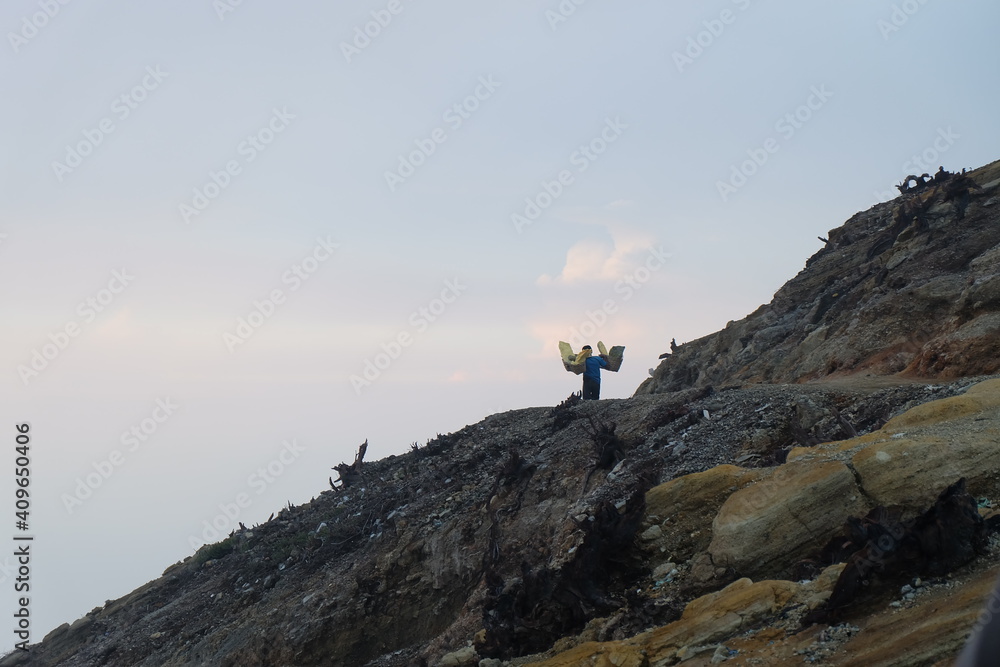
(573, 533)
(911, 286)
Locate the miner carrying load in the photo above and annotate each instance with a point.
(590, 366)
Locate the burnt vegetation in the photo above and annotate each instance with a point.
(563, 414)
(527, 614)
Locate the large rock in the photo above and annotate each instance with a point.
(925, 449)
(912, 471)
(706, 620)
(679, 513)
(892, 289)
(767, 527)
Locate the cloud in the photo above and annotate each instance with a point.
(620, 203)
(593, 261)
(120, 326)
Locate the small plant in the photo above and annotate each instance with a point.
(562, 414)
(215, 551)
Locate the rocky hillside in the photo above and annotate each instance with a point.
(730, 512)
(910, 286)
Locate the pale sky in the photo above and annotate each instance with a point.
(439, 202)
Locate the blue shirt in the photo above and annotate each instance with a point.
(592, 368)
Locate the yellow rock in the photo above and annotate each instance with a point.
(768, 519)
(976, 399)
(913, 471)
(706, 620)
(769, 526)
(925, 449)
(685, 506)
(615, 356)
(574, 363)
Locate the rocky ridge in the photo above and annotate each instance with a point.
(910, 286)
(690, 524)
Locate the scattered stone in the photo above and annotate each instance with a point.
(460, 658)
(652, 533)
(664, 570)
(721, 655)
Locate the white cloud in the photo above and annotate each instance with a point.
(593, 261)
(620, 203)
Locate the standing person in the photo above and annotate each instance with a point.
(592, 375)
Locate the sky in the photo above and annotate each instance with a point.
(239, 238)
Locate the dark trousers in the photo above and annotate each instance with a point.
(591, 389)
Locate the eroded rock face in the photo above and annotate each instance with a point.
(771, 525)
(680, 512)
(516, 535)
(707, 620)
(910, 285)
(925, 449)
(774, 518)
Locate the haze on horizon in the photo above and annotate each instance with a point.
(219, 216)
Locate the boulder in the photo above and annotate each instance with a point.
(683, 508)
(912, 471)
(460, 658)
(705, 622)
(767, 527)
(925, 449)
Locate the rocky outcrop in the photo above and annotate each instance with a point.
(773, 519)
(770, 526)
(707, 519)
(909, 286)
(920, 452)
(680, 512)
(740, 606)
